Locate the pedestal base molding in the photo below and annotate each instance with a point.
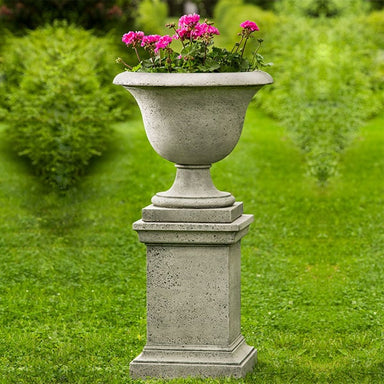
(194, 361)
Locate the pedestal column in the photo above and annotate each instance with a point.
(193, 293)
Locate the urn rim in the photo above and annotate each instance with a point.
(223, 79)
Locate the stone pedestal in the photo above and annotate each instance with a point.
(193, 293)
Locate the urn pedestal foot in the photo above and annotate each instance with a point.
(193, 188)
(193, 293)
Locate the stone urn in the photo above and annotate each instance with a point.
(193, 231)
(193, 120)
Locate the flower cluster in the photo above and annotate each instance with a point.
(191, 28)
(163, 43)
(189, 21)
(196, 55)
(250, 26)
(132, 38)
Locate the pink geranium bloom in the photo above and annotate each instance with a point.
(132, 38)
(182, 34)
(150, 40)
(250, 25)
(204, 30)
(199, 30)
(211, 30)
(163, 42)
(189, 21)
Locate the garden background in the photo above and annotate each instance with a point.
(76, 169)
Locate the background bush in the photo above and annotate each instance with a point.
(2, 80)
(375, 22)
(152, 17)
(327, 81)
(265, 4)
(96, 14)
(377, 4)
(322, 8)
(59, 107)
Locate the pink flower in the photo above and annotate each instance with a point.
(211, 30)
(132, 38)
(189, 21)
(205, 30)
(150, 40)
(199, 30)
(163, 42)
(182, 34)
(250, 26)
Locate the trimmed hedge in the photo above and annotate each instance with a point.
(59, 106)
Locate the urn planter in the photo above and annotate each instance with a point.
(193, 120)
(193, 231)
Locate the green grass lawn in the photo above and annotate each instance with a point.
(72, 271)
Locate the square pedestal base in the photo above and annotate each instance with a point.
(193, 294)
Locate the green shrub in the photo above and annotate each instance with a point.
(59, 107)
(265, 4)
(376, 22)
(326, 84)
(2, 82)
(321, 8)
